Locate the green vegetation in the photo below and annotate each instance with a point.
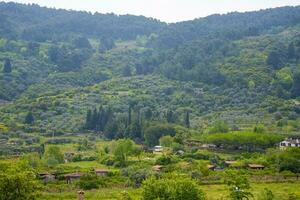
(82, 107)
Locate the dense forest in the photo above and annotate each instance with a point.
(97, 93)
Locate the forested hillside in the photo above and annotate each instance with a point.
(85, 100)
(241, 68)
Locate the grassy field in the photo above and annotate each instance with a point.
(281, 191)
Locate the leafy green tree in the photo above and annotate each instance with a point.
(7, 68)
(123, 149)
(166, 141)
(17, 181)
(29, 119)
(53, 156)
(238, 185)
(169, 189)
(219, 127)
(91, 181)
(154, 132)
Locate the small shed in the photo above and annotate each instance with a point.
(229, 163)
(256, 166)
(101, 172)
(46, 177)
(157, 168)
(73, 176)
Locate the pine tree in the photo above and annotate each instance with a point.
(7, 66)
(187, 119)
(29, 119)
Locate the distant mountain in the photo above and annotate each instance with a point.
(32, 22)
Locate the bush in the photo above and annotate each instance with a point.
(91, 181)
(170, 189)
(164, 160)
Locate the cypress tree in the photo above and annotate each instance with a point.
(129, 115)
(7, 66)
(187, 120)
(88, 119)
(29, 119)
(94, 119)
(291, 51)
(170, 116)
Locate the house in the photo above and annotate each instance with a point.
(208, 146)
(101, 172)
(290, 142)
(46, 177)
(211, 167)
(73, 176)
(256, 166)
(157, 168)
(158, 149)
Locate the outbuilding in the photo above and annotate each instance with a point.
(256, 166)
(73, 176)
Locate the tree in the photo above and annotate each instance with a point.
(187, 119)
(7, 68)
(291, 51)
(166, 141)
(81, 43)
(274, 59)
(219, 127)
(154, 132)
(106, 43)
(94, 119)
(170, 116)
(17, 181)
(53, 156)
(296, 85)
(123, 149)
(88, 120)
(168, 189)
(126, 71)
(129, 115)
(238, 185)
(29, 119)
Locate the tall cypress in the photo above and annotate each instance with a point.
(29, 119)
(7, 66)
(187, 119)
(94, 119)
(88, 119)
(170, 116)
(129, 115)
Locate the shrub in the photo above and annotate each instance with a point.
(91, 181)
(169, 189)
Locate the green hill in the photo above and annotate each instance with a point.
(241, 68)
